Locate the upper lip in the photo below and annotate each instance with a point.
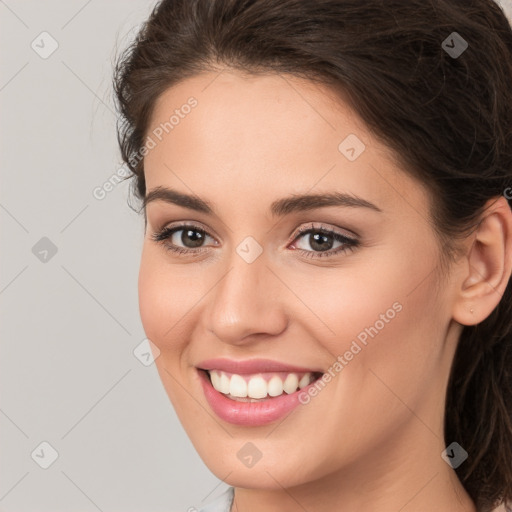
(249, 366)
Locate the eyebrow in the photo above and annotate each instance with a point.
(280, 207)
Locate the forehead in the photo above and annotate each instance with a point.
(268, 113)
(269, 135)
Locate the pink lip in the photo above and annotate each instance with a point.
(248, 414)
(250, 366)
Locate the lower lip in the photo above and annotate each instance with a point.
(248, 414)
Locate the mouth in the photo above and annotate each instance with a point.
(259, 386)
(252, 393)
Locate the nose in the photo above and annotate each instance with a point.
(247, 304)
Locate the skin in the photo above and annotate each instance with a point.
(255, 139)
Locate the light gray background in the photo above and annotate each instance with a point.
(70, 324)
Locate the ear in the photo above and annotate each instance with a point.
(487, 265)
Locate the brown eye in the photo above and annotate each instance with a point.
(319, 242)
(191, 237)
(182, 239)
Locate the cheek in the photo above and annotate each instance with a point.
(164, 308)
(382, 314)
(162, 303)
(345, 303)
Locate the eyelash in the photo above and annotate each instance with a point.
(349, 243)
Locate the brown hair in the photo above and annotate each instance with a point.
(448, 119)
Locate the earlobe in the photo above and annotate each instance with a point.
(488, 264)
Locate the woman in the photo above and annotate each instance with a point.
(326, 266)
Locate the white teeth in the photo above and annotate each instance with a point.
(275, 386)
(256, 387)
(291, 383)
(237, 386)
(215, 380)
(223, 384)
(304, 381)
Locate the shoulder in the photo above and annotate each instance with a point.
(222, 503)
(504, 508)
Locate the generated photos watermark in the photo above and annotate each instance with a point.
(357, 345)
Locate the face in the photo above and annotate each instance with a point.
(337, 301)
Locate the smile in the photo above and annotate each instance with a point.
(258, 386)
(255, 392)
